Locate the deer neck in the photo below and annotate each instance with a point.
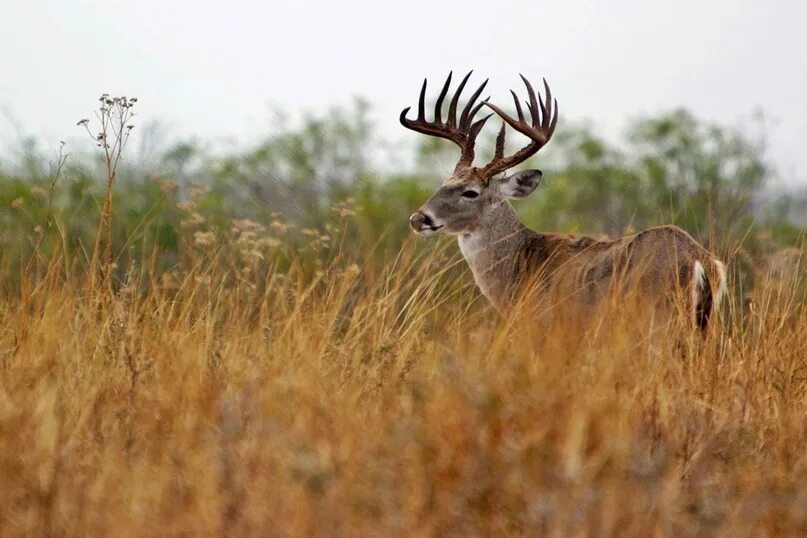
(493, 252)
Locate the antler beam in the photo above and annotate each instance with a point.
(462, 133)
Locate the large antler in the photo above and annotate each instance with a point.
(463, 133)
(539, 130)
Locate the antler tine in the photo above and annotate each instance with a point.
(554, 120)
(476, 127)
(533, 112)
(500, 143)
(539, 119)
(452, 106)
(548, 110)
(422, 102)
(533, 102)
(438, 106)
(518, 106)
(467, 157)
(550, 114)
(472, 114)
(469, 111)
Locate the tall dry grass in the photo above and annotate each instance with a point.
(241, 397)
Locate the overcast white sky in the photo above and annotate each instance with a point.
(215, 68)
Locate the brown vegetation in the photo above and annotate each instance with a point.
(347, 401)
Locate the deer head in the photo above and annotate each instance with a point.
(460, 205)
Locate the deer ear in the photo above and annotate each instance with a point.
(520, 184)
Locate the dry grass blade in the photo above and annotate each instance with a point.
(347, 403)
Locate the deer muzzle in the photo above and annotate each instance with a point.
(421, 223)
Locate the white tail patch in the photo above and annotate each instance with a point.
(698, 284)
(721, 288)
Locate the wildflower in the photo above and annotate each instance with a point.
(247, 237)
(344, 211)
(194, 219)
(345, 208)
(83, 123)
(197, 191)
(243, 225)
(169, 187)
(17, 202)
(255, 254)
(187, 205)
(204, 239)
(38, 192)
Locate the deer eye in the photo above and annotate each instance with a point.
(470, 194)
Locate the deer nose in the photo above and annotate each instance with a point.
(419, 220)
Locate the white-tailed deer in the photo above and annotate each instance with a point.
(507, 258)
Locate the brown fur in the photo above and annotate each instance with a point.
(507, 259)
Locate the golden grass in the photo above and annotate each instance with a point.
(352, 401)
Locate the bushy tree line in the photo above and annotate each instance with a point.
(306, 179)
